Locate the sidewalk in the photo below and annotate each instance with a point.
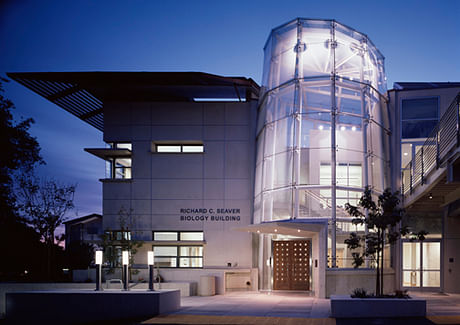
(290, 308)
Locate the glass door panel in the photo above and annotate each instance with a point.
(411, 264)
(421, 264)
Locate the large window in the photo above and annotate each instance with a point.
(418, 117)
(182, 249)
(347, 174)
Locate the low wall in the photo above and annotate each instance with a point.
(186, 288)
(344, 281)
(81, 306)
(227, 279)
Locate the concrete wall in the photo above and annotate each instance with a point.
(450, 265)
(344, 281)
(162, 184)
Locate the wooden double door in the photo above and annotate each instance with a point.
(291, 265)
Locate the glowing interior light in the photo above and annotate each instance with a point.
(98, 257)
(342, 128)
(150, 257)
(276, 230)
(125, 258)
(405, 154)
(353, 128)
(298, 230)
(258, 231)
(320, 127)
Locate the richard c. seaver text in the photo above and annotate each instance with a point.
(203, 214)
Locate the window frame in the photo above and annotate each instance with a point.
(178, 244)
(401, 121)
(156, 145)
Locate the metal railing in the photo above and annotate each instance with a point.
(444, 137)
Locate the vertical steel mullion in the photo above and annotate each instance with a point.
(422, 166)
(333, 153)
(296, 134)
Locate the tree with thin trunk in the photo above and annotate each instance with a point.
(382, 221)
(44, 205)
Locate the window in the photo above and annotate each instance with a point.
(347, 174)
(118, 235)
(418, 117)
(119, 166)
(181, 253)
(179, 148)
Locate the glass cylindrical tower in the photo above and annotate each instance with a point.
(322, 132)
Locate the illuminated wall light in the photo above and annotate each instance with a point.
(276, 230)
(353, 128)
(298, 230)
(405, 154)
(150, 258)
(320, 127)
(342, 128)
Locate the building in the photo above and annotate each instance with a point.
(87, 229)
(222, 177)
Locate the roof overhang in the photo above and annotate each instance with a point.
(292, 227)
(107, 153)
(83, 94)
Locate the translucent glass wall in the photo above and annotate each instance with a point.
(322, 102)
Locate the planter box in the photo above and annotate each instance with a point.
(347, 307)
(83, 306)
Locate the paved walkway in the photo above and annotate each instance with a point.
(291, 308)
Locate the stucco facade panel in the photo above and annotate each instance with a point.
(180, 188)
(114, 206)
(177, 114)
(237, 132)
(214, 160)
(237, 158)
(177, 132)
(177, 166)
(237, 113)
(214, 114)
(237, 189)
(141, 189)
(213, 133)
(117, 190)
(214, 189)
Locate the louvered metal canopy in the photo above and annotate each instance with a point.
(84, 93)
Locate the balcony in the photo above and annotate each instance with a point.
(433, 168)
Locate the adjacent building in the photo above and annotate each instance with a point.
(220, 176)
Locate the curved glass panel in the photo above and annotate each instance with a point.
(315, 70)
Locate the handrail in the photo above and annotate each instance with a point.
(444, 136)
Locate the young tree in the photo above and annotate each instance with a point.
(382, 219)
(44, 205)
(114, 241)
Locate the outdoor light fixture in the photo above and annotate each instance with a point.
(98, 260)
(98, 257)
(353, 128)
(125, 261)
(150, 262)
(125, 257)
(342, 128)
(320, 127)
(430, 196)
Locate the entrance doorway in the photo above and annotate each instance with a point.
(421, 264)
(291, 265)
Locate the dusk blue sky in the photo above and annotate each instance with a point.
(419, 39)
